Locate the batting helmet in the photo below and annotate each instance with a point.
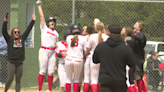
(75, 26)
(48, 19)
(66, 33)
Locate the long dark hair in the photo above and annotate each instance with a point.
(90, 29)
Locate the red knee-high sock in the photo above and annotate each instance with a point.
(79, 88)
(40, 81)
(98, 87)
(90, 88)
(68, 87)
(75, 87)
(94, 87)
(50, 81)
(144, 87)
(140, 85)
(86, 87)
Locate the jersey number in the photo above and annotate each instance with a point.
(76, 44)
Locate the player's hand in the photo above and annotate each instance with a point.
(6, 18)
(33, 17)
(56, 44)
(64, 54)
(39, 2)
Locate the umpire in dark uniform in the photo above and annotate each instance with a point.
(113, 56)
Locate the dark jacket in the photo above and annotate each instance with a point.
(113, 56)
(140, 42)
(16, 52)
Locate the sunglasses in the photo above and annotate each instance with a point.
(16, 32)
(51, 24)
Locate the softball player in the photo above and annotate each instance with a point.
(74, 58)
(89, 30)
(83, 33)
(47, 57)
(91, 45)
(61, 53)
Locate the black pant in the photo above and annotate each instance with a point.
(14, 69)
(113, 88)
(131, 75)
(3, 68)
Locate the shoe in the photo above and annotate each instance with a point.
(48, 91)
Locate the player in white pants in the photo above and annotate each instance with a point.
(83, 33)
(61, 54)
(93, 41)
(87, 78)
(74, 58)
(47, 57)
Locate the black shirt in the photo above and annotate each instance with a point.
(113, 56)
(16, 51)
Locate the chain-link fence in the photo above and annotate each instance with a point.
(109, 12)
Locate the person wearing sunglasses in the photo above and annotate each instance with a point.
(16, 52)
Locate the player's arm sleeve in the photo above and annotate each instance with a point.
(88, 46)
(4, 31)
(130, 58)
(89, 43)
(28, 29)
(58, 54)
(96, 55)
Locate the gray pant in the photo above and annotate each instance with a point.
(17, 70)
(4, 68)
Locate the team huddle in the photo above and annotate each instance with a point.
(76, 51)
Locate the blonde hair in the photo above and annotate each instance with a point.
(73, 43)
(141, 25)
(99, 28)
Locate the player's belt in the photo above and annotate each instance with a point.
(48, 48)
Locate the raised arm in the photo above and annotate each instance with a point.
(42, 20)
(25, 34)
(4, 28)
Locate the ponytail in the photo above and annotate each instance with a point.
(74, 40)
(99, 28)
(99, 36)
